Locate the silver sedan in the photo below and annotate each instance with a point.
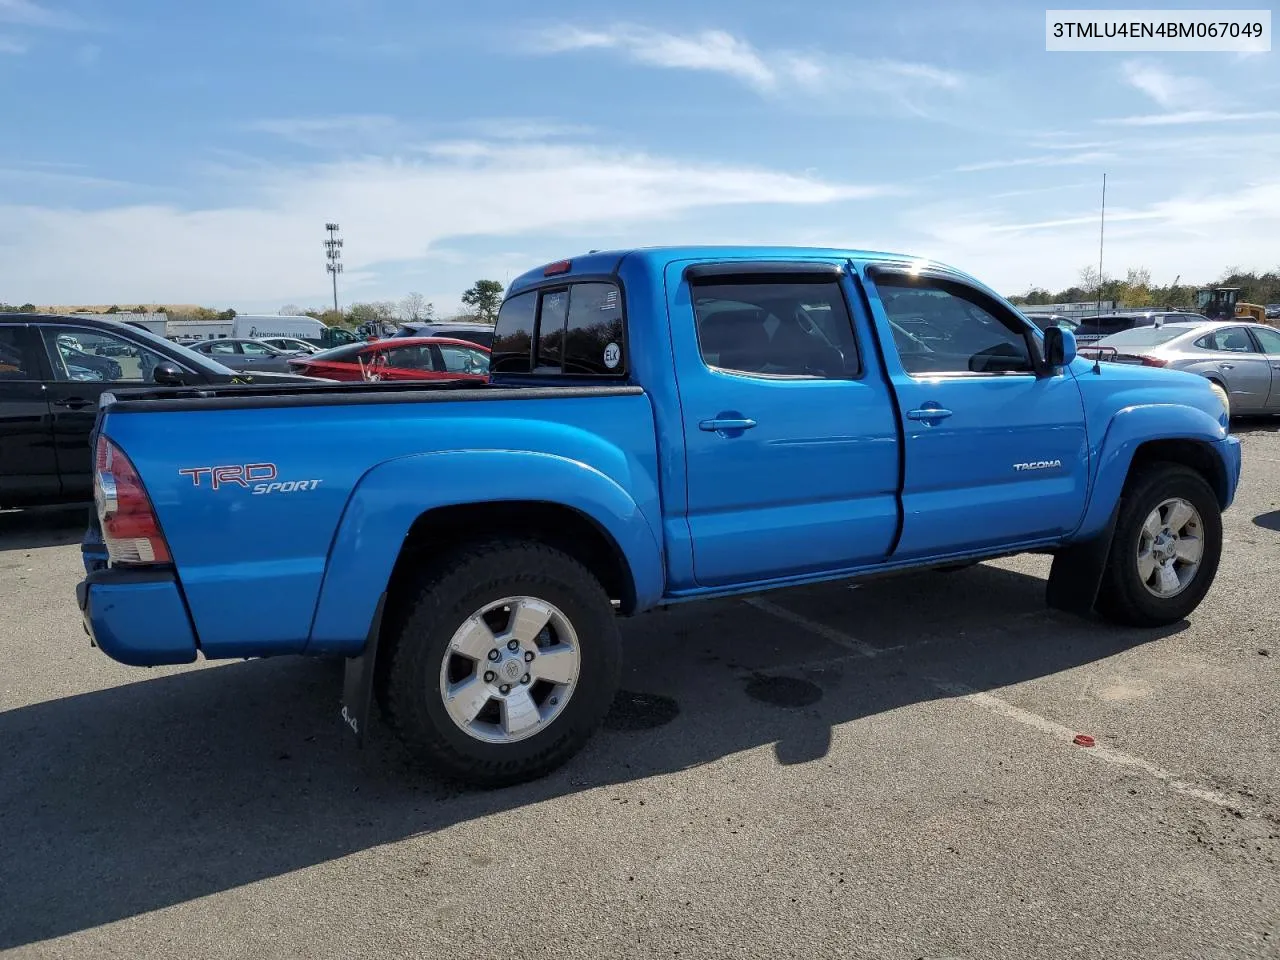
(246, 354)
(1242, 359)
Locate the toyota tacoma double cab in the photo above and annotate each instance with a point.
(659, 426)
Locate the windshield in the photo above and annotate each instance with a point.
(1143, 337)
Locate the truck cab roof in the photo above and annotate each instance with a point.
(606, 262)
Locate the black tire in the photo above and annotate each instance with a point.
(1122, 597)
(446, 597)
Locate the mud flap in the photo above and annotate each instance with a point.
(357, 680)
(1076, 574)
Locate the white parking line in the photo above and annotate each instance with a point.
(1002, 708)
(821, 629)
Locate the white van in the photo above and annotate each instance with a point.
(304, 328)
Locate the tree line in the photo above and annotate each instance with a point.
(481, 300)
(1137, 290)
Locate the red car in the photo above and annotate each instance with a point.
(402, 358)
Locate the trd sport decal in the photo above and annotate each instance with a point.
(260, 477)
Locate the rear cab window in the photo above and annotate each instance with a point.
(572, 329)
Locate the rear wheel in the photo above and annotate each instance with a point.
(505, 664)
(1165, 552)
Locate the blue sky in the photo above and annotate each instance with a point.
(185, 152)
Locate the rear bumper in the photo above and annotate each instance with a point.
(137, 618)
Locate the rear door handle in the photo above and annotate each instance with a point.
(719, 425)
(74, 403)
(928, 413)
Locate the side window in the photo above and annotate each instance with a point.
(1235, 340)
(945, 328)
(1227, 340)
(222, 348)
(1269, 339)
(416, 357)
(255, 350)
(15, 362)
(90, 355)
(775, 328)
(463, 360)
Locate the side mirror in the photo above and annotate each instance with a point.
(1059, 347)
(167, 375)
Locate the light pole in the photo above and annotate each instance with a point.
(333, 254)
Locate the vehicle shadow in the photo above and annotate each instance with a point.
(1268, 521)
(42, 527)
(1255, 425)
(137, 797)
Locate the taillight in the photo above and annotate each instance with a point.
(1153, 362)
(130, 528)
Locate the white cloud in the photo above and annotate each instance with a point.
(1185, 100)
(1170, 90)
(525, 128)
(1190, 116)
(29, 14)
(1196, 234)
(714, 51)
(1053, 160)
(768, 72)
(268, 248)
(326, 131)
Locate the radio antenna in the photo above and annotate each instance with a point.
(1102, 233)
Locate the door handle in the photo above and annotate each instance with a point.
(719, 425)
(73, 403)
(928, 413)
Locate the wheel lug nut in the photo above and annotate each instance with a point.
(513, 644)
(553, 701)
(505, 688)
(525, 678)
(489, 676)
(494, 654)
(528, 656)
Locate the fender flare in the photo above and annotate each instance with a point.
(1078, 567)
(1128, 430)
(391, 496)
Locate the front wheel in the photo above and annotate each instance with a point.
(506, 663)
(1165, 551)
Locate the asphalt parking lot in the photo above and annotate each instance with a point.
(883, 772)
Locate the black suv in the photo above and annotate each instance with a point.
(53, 369)
(1104, 325)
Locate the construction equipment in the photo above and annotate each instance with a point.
(1224, 303)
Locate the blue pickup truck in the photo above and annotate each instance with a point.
(661, 425)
